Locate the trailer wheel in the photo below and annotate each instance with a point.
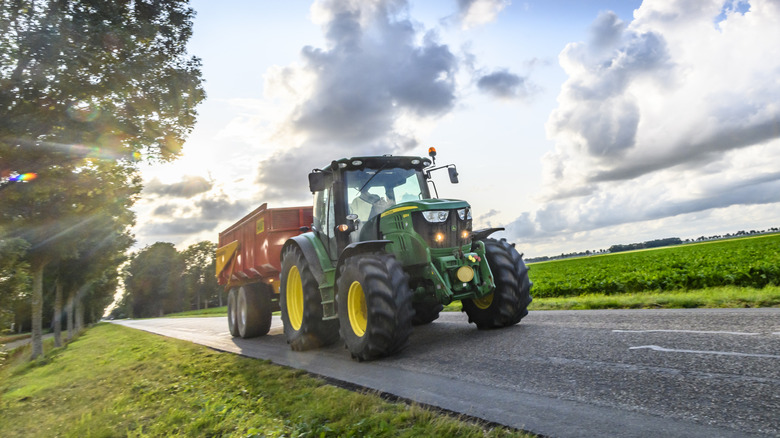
(374, 305)
(301, 305)
(231, 313)
(508, 303)
(253, 310)
(426, 313)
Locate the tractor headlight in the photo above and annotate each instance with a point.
(464, 214)
(436, 216)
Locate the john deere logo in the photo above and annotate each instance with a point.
(260, 226)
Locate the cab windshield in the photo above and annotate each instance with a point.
(372, 191)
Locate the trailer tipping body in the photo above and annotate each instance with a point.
(249, 250)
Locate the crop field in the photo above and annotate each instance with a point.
(747, 262)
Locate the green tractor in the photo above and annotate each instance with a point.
(383, 255)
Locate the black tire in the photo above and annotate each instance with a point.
(426, 313)
(253, 310)
(508, 303)
(374, 306)
(231, 313)
(300, 299)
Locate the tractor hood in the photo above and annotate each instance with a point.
(426, 205)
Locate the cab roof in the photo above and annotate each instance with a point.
(376, 162)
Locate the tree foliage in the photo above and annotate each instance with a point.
(154, 281)
(86, 89)
(199, 275)
(161, 280)
(14, 279)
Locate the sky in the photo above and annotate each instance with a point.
(574, 124)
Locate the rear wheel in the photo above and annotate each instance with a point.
(426, 313)
(301, 305)
(508, 303)
(253, 310)
(374, 306)
(231, 313)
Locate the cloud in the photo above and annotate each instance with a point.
(164, 210)
(222, 208)
(204, 214)
(503, 85)
(188, 187)
(673, 113)
(474, 13)
(378, 74)
(178, 227)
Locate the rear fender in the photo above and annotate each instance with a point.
(314, 253)
(321, 267)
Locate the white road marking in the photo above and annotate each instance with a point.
(706, 332)
(721, 353)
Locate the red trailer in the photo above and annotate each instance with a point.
(249, 263)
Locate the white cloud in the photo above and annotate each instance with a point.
(474, 13)
(673, 113)
(356, 96)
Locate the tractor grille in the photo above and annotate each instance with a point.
(451, 230)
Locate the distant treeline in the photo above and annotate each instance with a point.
(644, 245)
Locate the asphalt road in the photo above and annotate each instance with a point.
(692, 373)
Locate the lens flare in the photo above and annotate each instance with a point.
(23, 177)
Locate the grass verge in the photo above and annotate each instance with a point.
(116, 381)
(716, 297)
(214, 311)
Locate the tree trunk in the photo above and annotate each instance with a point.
(37, 311)
(58, 313)
(79, 322)
(69, 313)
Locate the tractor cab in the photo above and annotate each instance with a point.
(351, 194)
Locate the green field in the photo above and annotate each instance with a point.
(752, 262)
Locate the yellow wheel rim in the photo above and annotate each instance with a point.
(356, 309)
(483, 302)
(294, 294)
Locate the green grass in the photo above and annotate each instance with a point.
(116, 381)
(213, 311)
(717, 297)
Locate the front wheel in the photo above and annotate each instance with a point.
(508, 303)
(374, 306)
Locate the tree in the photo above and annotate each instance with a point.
(14, 279)
(82, 81)
(200, 272)
(154, 280)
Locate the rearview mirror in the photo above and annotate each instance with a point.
(453, 174)
(319, 181)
